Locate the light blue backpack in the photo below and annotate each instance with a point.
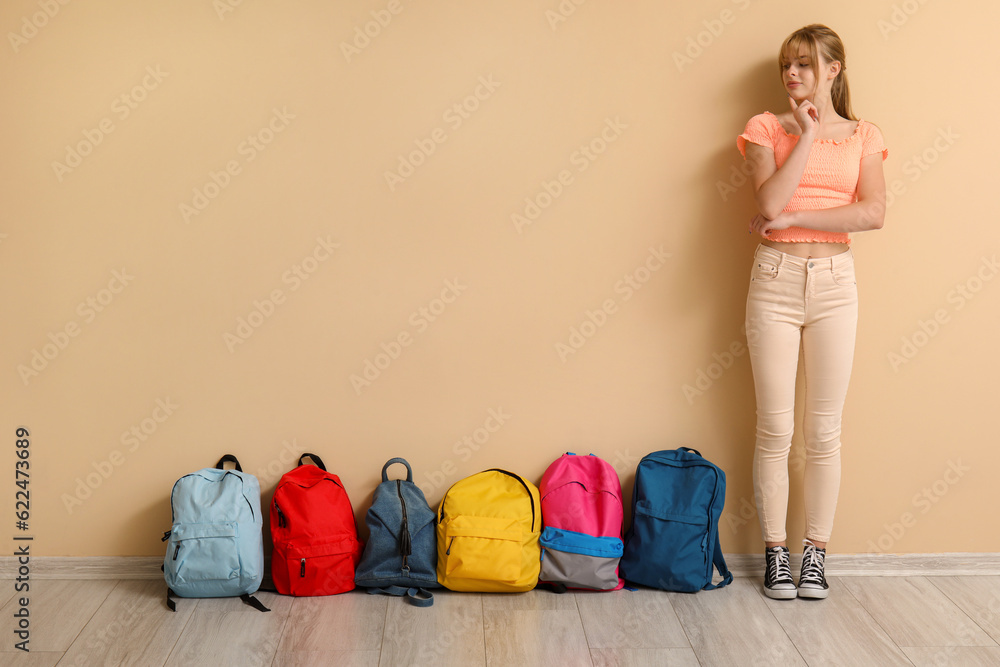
(215, 547)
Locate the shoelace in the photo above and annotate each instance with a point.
(779, 569)
(812, 564)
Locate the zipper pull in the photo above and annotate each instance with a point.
(405, 546)
(302, 570)
(448, 552)
(282, 522)
(166, 536)
(177, 548)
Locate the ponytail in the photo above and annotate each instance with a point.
(841, 94)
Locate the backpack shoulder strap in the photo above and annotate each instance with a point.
(720, 565)
(253, 602)
(418, 597)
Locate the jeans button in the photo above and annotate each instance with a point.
(810, 265)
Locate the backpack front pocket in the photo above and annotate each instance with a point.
(483, 548)
(389, 557)
(579, 560)
(674, 546)
(322, 568)
(201, 552)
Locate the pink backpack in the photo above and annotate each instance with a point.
(582, 516)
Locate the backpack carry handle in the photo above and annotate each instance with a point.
(409, 470)
(317, 460)
(688, 449)
(228, 457)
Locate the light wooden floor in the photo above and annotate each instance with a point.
(911, 620)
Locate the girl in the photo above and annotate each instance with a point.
(817, 175)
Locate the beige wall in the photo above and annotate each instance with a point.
(161, 96)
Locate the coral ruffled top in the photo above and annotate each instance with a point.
(831, 174)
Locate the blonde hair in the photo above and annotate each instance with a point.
(820, 40)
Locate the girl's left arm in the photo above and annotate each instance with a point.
(863, 215)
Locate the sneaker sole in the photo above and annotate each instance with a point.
(780, 594)
(814, 593)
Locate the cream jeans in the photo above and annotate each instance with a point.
(815, 301)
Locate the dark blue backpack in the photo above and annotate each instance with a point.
(673, 541)
(400, 557)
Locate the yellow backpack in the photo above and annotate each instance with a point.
(487, 534)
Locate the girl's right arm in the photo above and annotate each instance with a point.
(774, 187)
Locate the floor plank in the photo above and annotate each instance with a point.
(966, 656)
(834, 631)
(733, 626)
(533, 600)
(359, 619)
(630, 620)
(132, 627)
(30, 659)
(529, 637)
(326, 658)
(978, 597)
(644, 657)
(449, 632)
(913, 612)
(224, 631)
(58, 609)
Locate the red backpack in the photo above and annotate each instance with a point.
(316, 546)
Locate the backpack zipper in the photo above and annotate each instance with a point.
(253, 515)
(405, 547)
(302, 568)
(177, 548)
(530, 497)
(282, 521)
